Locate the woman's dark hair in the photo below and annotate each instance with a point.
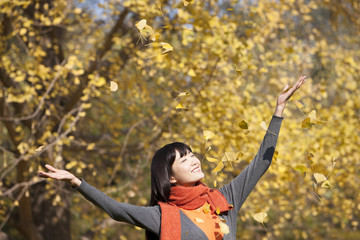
(161, 172)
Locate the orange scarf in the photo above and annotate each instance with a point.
(189, 198)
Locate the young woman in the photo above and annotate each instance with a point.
(181, 207)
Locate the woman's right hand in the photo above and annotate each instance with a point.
(59, 174)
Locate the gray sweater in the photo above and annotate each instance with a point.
(235, 193)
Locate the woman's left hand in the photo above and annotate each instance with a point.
(286, 94)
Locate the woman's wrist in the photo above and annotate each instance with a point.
(279, 110)
(75, 182)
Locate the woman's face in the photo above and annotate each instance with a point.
(186, 170)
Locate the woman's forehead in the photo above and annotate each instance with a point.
(178, 156)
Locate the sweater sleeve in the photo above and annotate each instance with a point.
(144, 217)
(239, 188)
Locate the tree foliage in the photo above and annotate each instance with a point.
(97, 86)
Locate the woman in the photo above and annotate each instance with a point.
(181, 207)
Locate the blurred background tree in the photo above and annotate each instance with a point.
(96, 87)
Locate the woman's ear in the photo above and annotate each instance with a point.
(173, 180)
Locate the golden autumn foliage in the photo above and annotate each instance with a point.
(97, 86)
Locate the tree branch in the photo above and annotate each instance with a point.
(100, 53)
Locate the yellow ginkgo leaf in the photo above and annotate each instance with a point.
(300, 168)
(199, 220)
(319, 177)
(243, 125)
(238, 70)
(208, 134)
(179, 106)
(306, 123)
(215, 183)
(210, 159)
(218, 167)
(218, 210)
(260, 216)
(224, 228)
(206, 208)
(177, 94)
(141, 24)
(326, 184)
(182, 94)
(186, 2)
(166, 47)
(232, 156)
(230, 9)
(113, 86)
(299, 104)
(263, 125)
(312, 116)
(155, 37)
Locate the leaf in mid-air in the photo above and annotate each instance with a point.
(208, 134)
(319, 177)
(243, 125)
(218, 167)
(260, 216)
(113, 86)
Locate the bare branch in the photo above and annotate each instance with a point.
(123, 150)
(19, 185)
(64, 134)
(12, 207)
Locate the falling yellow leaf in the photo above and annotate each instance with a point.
(166, 47)
(155, 37)
(299, 104)
(218, 210)
(319, 177)
(224, 228)
(186, 2)
(215, 183)
(260, 216)
(208, 134)
(326, 184)
(113, 86)
(312, 116)
(179, 106)
(263, 125)
(141, 24)
(306, 123)
(230, 9)
(199, 220)
(177, 94)
(300, 168)
(232, 156)
(276, 154)
(206, 208)
(238, 70)
(218, 167)
(243, 125)
(210, 159)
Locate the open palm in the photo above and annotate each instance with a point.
(289, 91)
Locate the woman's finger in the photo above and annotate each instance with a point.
(51, 168)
